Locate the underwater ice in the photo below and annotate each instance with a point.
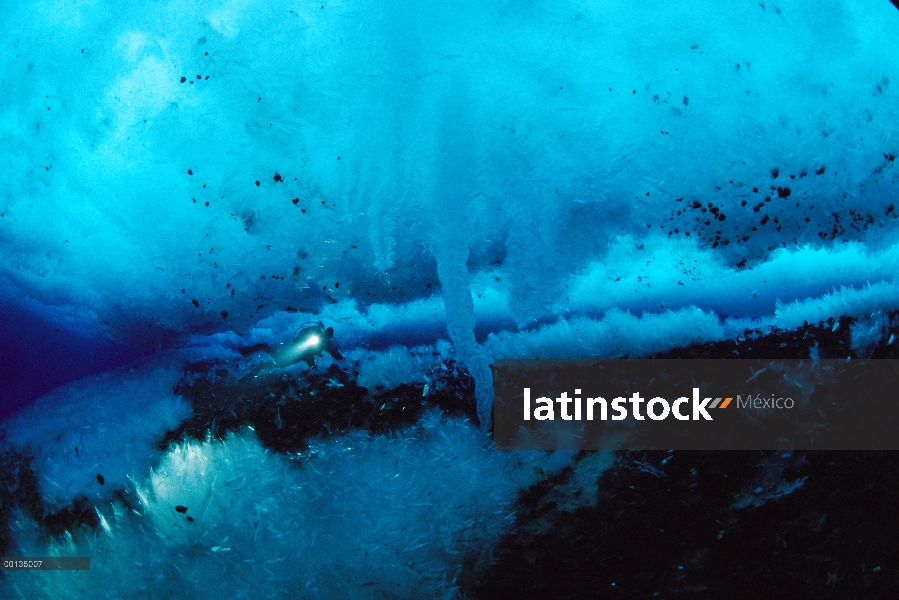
(553, 179)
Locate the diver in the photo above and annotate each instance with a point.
(307, 344)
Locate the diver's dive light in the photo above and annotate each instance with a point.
(313, 340)
(303, 347)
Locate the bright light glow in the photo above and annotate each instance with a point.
(310, 342)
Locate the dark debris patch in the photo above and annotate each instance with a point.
(715, 524)
(832, 342)
(286, 410)
(19, 490)
(831, 339)
(675, 529)
(79, 514)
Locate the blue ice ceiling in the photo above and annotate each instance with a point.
(412, 171)
(437, 181)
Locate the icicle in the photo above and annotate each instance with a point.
(456, 287)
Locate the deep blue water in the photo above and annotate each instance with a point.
(37, 355)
